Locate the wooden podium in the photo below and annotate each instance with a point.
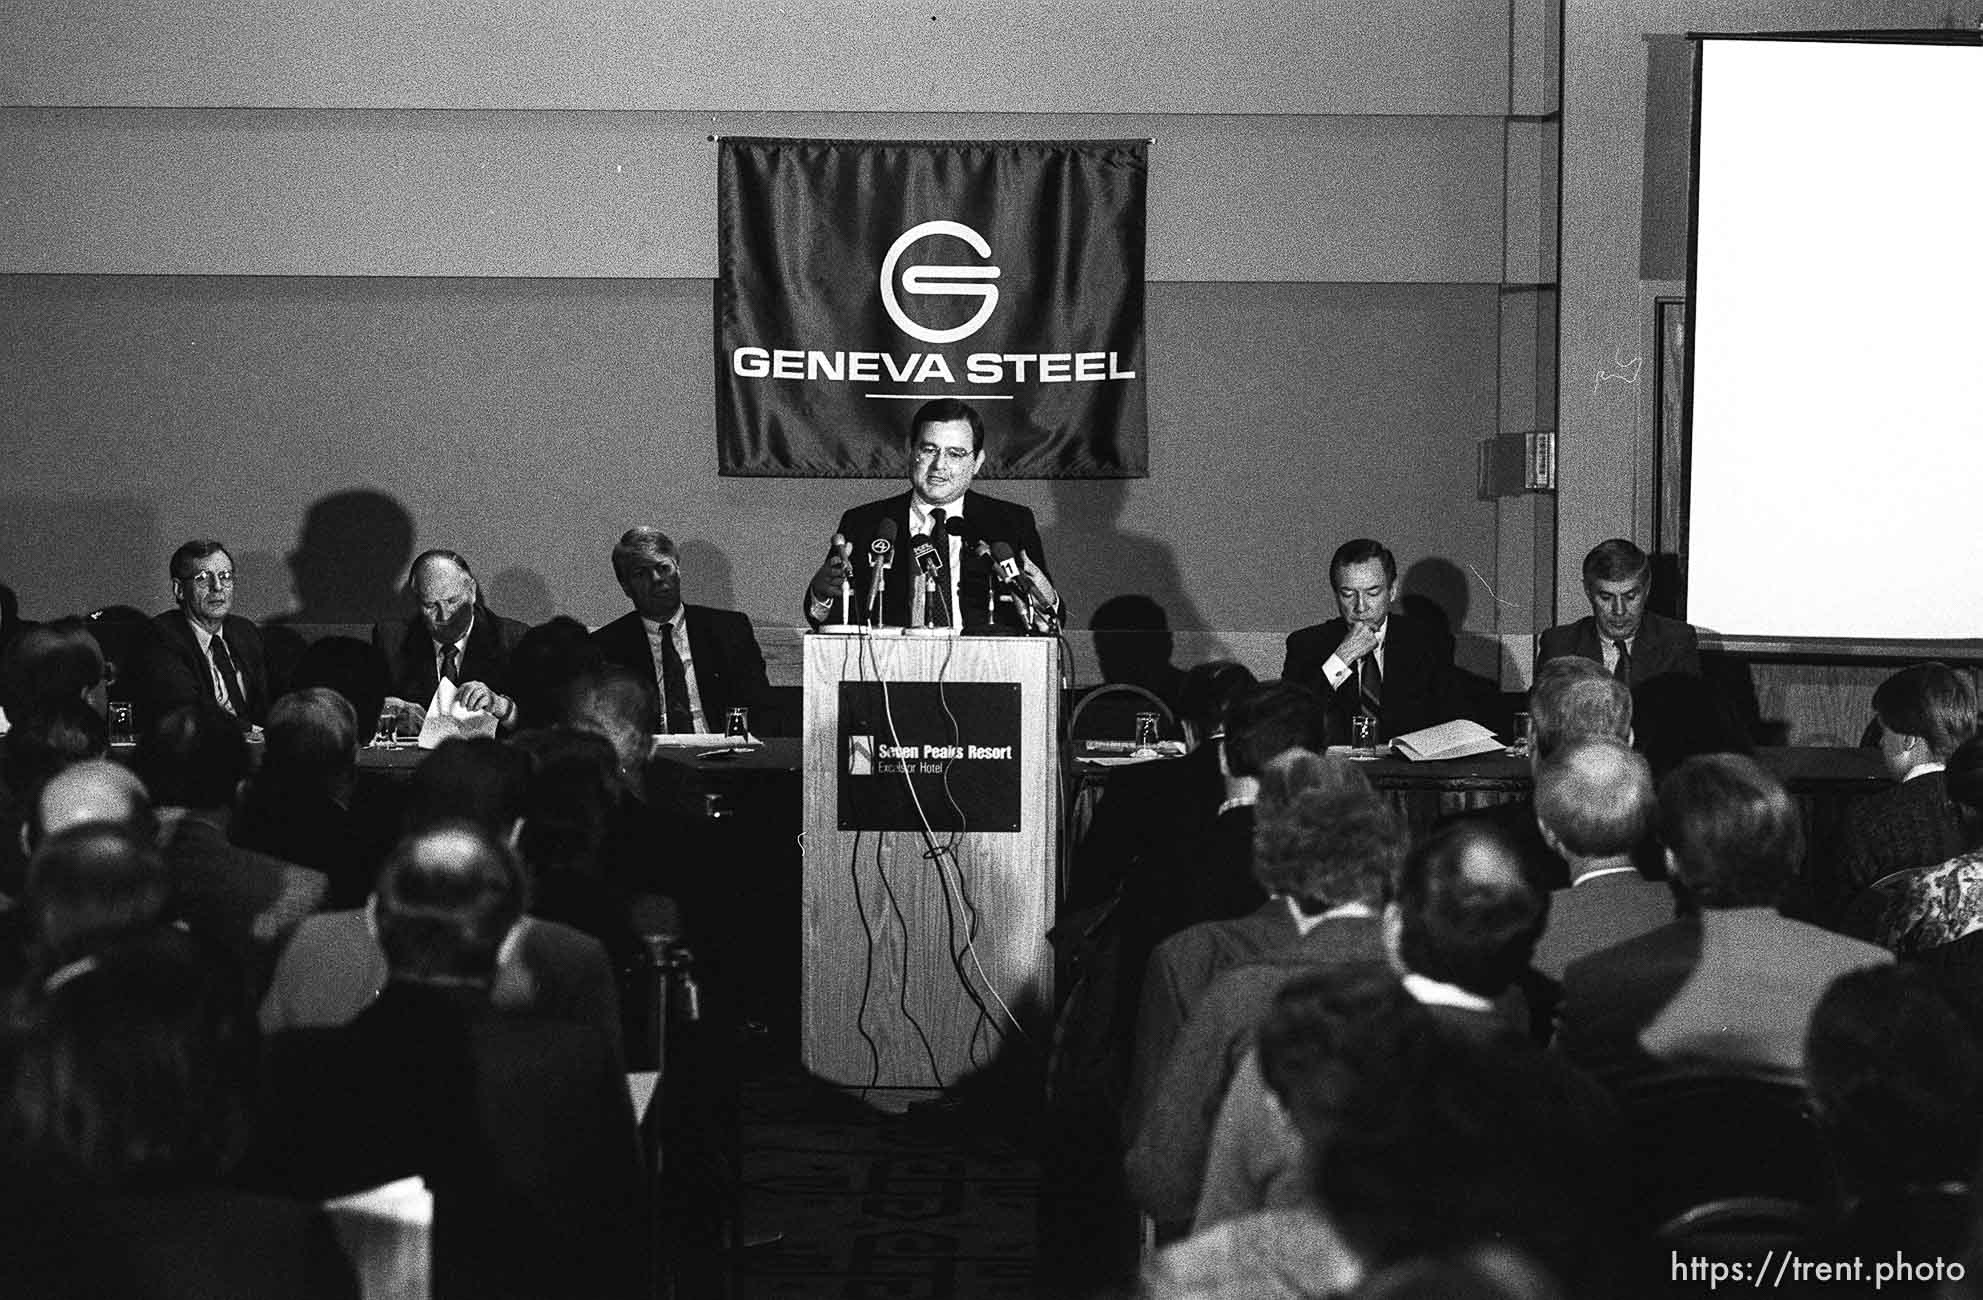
(961, 732)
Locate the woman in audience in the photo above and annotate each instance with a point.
(1895, 1078)
(127, 1070)
(1928, 908)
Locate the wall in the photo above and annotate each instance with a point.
(339, 285)
(1627, 106)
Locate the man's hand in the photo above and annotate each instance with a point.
(832, 575)
(477, 696)
(1362, 639)
(1049, 598)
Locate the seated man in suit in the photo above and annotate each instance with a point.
(1594, 802)
(1925, 713)
(454, 636)
(202, 650)
(1372, 658)
(1631, 642)
(1728, 986)
(702, 661)
(520, 1124)
(947, 446)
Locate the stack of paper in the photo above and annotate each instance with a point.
(1456, 739)
(448, 718)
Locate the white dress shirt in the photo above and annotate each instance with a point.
(677, 629)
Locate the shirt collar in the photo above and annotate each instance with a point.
(1432, 993)
(1602, 872)
(919, 514)
(1304, 923)
(201, 636)
(1923, 769)
(673, 620)
(1238, 801)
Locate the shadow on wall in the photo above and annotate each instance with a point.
(1094, 560)
(521, 594)
(69, 555)
(707, 578)
(349, 559)
(1439, 592)
(1133, 644)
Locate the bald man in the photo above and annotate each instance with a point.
(94, 790)
(1595, 804)
(455, 636)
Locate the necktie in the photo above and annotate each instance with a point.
(940, 615)
(451, 662)
(674, 684)
(1623, 670)
(1370, 685)
(224, 661)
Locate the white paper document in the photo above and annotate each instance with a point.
(447, 718)
(1459, 738)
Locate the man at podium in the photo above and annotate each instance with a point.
(984, 554)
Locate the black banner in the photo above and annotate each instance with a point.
(859, 279)
(946, 751)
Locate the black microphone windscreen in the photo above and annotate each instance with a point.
(1002, 551)
(888, 531)
(955, 527)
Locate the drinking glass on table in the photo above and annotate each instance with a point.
(387, 734)
(737, 723)
(1524, 736)
(123, 723)
(1146, 731)
(1363, 733)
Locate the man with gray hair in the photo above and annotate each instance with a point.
(703, 662)
(1594, 802)
(455, 635)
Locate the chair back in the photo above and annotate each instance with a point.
(1697, 1138)
(1108, 713)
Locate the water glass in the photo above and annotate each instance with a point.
(1146, 731)
(737, 723)
(1363, 733)
(123, 723)
(1524, 734)
(387, 734)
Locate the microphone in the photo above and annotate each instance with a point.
(879, 554)
(926, 557)
(1014, 576)
(955, 527)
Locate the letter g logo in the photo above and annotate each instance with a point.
(954, 281)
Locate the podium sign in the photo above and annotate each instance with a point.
(945, 752)
(915, 934)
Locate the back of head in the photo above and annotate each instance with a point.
(93, 790)
(312, 737)
(353, 668)
(613, 703)
(569, 800)
(47, 663)
(133, 1067)
(1271, 718)
(1310, 1040)
(193, 757)
(1732, 830)
(1932, 701)
(1964, 778)
(447, 897)
(90, 882)
(547, 659)
(1575, 697)
(1322, 836)
(45, 741)
(480, 781)
(1895, 1075)
(1595, 795)
(1208, 690)
(1467, 912)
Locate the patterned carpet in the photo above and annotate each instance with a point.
(942, 1201)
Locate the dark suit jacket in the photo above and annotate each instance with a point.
(1145, 812)
(1420, 688)
(409, 653)
(1663, 645)
(172, 672)
(729, 668)
(1588, 918)
(1167, 1159)
(520, 1125)
(986, 519)
(1911, 825)
(1610, 996)
(247, 902)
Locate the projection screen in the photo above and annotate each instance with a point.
(1835, 462)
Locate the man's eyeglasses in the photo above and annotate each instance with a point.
(951, 455)
(224, 578)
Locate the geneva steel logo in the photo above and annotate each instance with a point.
(903, 274)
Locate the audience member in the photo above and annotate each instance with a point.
(93, 790)
(299, 804)
(1595, 804)
(48, 663)
(454, 636)
(519, 1123)
(702, 661)
(547, 660)
(1632, 643)
(46, 740)
(334, 966)
(194, 760)
(203, 652)
(1895, 1079)
(1729, 985)
(131, 1069)
(1365, 660)
(1925, 712)
(1933, 913)
(1325, 849)
(568, 806)
(354, 669)
(86, 883)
